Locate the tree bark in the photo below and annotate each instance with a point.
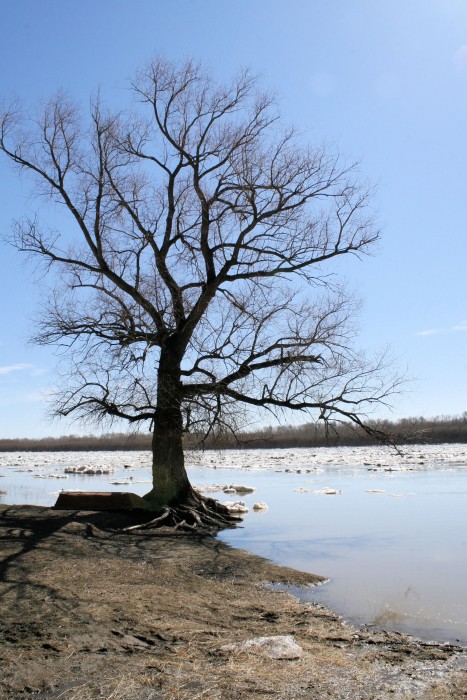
(170, 481)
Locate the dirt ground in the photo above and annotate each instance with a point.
(92, 613)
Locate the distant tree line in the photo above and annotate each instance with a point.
(441, 429)
(71, 443)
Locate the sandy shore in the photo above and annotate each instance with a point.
(89, 613)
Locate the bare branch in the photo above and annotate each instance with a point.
(194, 280)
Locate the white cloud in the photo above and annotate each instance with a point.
(462, 326)
(35, 396)
(32, 370)
(21, 398)
(38, 372)
(8, 369)
(432, 331)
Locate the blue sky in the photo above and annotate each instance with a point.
(386, 81)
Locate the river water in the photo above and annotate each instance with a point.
(389, 531)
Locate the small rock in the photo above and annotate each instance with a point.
(278, 647)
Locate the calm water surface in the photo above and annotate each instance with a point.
(392, 540)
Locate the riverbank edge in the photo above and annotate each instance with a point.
(90, 612)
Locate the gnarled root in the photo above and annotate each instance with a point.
(196, 514)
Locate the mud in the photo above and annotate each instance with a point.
(87, 612)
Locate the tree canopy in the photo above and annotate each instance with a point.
(194, 271)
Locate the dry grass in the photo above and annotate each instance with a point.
(143, 618)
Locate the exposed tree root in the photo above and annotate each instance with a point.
(196, 514)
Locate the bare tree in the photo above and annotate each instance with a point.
(193, 278)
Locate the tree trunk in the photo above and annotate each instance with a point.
(170, 481)
(171, 494)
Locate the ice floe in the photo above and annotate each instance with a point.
(241, 489)
(294, 461)
(236, 506)
(226, 488)
(260, 505)
(93, 471)
(321, 492)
